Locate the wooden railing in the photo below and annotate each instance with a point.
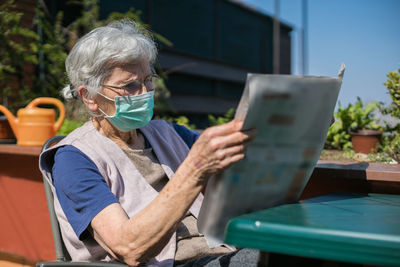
(360, 177)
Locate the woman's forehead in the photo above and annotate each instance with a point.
(129, 72)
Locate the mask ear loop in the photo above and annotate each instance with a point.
(105, 115)
(106, 97)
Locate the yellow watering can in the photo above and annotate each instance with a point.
(33, 125)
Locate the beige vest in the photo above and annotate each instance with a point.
(124, 180)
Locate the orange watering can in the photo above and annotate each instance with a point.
(33, 125)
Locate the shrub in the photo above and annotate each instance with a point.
(18, 56)
(182, 120)
(221, 120)
(393, 86)
(391, 140)
(47, 50)
(68, 126)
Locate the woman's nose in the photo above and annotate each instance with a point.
(143, 89)
(147, 88)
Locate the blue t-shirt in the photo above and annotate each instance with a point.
(81, 189)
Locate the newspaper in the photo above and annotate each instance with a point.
(292, 115)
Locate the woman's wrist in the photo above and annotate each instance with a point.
(196, 169)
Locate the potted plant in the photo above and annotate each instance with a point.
(365, 132)
(355, 127)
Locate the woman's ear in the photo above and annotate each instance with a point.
(89, 101)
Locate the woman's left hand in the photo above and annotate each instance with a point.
(218, 148)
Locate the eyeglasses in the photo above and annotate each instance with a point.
(133, 87)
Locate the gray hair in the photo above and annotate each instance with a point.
(94, 56)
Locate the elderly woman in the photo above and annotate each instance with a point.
(128, 188)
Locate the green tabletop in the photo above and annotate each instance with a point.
(357, 228)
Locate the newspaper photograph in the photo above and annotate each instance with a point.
(292, 115)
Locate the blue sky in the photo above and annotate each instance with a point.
(363, 34)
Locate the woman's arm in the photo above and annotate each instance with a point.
(138, 239)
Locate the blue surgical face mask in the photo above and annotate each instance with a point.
(131, 112)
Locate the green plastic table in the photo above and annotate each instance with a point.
(353, 228)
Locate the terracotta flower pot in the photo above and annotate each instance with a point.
(5, 129)
(365, 141)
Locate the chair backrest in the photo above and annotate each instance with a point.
(61, 251)
(63, 258)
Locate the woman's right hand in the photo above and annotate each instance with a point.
(218, 148)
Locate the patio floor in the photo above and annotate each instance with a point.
(4, 263)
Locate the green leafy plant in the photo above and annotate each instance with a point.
(53, 48)
(18, 56)
(393, 86)
(45, 50)
(68, 126)
(352, 118)
(338, 137)
(182, 120)
(360, 117)
(221, 120)
(390, 143)
(393, 110)
(382, 157)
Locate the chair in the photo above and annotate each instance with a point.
(63, 258)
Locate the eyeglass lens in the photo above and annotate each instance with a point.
(134, 86)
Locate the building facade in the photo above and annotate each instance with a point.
(215, 44)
